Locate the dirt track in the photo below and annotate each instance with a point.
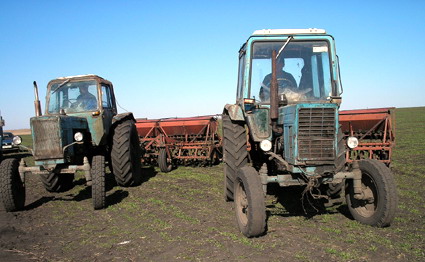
(182, 216)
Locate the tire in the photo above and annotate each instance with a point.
(235, 154)
(53, 182)
(249, 201)
(125, 154)
(12, 189)
(164, 164)
(378, 182)
(98, 188)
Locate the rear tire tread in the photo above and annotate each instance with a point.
(125, 154)
(235, 154)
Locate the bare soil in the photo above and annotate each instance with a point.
(182, 216)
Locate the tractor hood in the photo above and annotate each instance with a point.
(52, 133)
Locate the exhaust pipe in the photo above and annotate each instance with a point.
(37, 104)
(274, 114)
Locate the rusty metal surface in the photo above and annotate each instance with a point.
(187, 140)
(375, 129)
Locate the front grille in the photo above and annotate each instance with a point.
(47, 140)
(316, 134)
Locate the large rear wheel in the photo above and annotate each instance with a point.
(125, 154)
(380, 203)
(249, 202)
(12, 190)
(235, 154)
(98, 189)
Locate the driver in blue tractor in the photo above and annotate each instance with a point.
(284, 80)
(86, 100)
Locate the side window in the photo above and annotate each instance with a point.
(241, 73)
(106, 96)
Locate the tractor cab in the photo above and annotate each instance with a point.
(78, 94)
(286, 76)
(306, 67)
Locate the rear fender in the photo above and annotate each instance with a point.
(117, 119)
(122, 117)
(234, 111)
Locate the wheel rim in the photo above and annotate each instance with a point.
(241, 202)
(367, 208)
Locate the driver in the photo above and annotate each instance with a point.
(284, 80)
(86, 100)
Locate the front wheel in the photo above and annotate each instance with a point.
(12, 190)
(164, 162)
(98, 187)
(249, 202)
(378, 185)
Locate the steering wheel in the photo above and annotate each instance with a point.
(72, 102)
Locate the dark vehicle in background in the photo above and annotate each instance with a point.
(7, 143)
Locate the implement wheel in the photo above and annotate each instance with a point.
(249, 202)
(125, 154)
(53, 182)
(379, 188)
(12, 190)
(235, 154)
(98, 188)
(164, 162)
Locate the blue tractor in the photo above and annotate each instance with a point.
(82, 131)
(284, 129)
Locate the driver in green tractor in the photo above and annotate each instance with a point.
(85, 100)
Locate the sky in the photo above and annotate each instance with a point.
(180, 58)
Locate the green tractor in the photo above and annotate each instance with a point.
(81, 131)
(12, 191)
(284, 130)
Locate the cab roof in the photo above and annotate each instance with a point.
(79, 76)
(82, 78)
(289, 31)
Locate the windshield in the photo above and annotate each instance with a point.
(303, 71)
(73, 97)
(7, 135)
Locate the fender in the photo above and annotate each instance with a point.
(234, 111)
(123, 116)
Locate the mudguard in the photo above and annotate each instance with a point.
(234, 111)
(123, 116)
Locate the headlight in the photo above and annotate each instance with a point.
(352, 142)
(266, 145)
(17, 140)
(78, 136)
